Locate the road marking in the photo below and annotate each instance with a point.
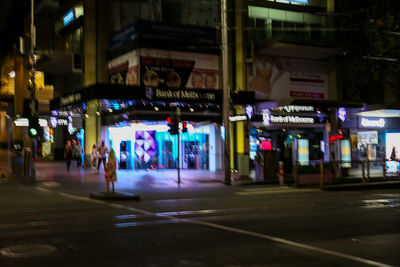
(43, 189)
(276, 190)
(239, 231)
(291, 243)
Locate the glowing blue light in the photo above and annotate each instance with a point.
(342, 114)
(70, 16)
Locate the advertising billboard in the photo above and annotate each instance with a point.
(165, 69)
(303, 152)
(345, 153)
(280, 78)
(124, 70)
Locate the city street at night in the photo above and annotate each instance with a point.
(206, 225)
(226, 133)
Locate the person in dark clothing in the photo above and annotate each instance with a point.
(68, 154)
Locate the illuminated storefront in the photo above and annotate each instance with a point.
(374, 136)
(149, 145)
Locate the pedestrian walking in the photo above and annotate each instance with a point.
(103, 150)
(68, 154)
(94, 157)
(77, 152)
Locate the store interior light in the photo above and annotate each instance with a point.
(12, 74)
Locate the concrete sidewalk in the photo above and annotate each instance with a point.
(54, 174)
(128, 180)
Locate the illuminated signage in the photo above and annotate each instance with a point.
(54, 122)
(342, 114)
(372, 122)
(168, 94)
(43, 123)
(248, 110)
(238, 118)
(69, 17)
(70, 99)
(297, 1)
(23, 122)
(345, 153)
(292, 108)
(302, 151)
(291, 119)
(266, 117)
(266, 145)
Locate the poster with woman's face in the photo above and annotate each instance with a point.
(164, 72)
(280, 78)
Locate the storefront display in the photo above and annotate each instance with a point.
(155, 148)
(392, 152)
(303, 151)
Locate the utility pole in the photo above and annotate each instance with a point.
(34, 112)
(226, 92)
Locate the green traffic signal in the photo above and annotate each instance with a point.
(33, 132)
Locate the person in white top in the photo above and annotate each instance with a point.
(103, 150)
(94, 157)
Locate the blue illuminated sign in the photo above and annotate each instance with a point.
(345, 153)
(302, 152)
(70, 16)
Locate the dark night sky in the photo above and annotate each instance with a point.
(12, 13)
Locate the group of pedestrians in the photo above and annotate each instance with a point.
(73, 150)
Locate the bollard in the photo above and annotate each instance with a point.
(321, 168)
(384, 169)
(363, 172)
(295, 173)
(281, 173)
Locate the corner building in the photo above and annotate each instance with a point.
(133, 64)
(287, 58)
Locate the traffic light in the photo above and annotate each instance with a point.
(173, 124)
(34, 128)
(184, 127)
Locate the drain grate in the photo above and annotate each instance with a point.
(27, 250)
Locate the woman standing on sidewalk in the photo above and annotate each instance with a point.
(68, 154)
(94, 157)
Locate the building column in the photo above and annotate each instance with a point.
(92, 125)
(90, 38)
(242, 128)
(93, 112)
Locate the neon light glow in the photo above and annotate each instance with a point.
(372, 122)
(342, 114)
(303, 152)
(69, 17)
(149, 142)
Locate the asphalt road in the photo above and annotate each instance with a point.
(216, 226)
